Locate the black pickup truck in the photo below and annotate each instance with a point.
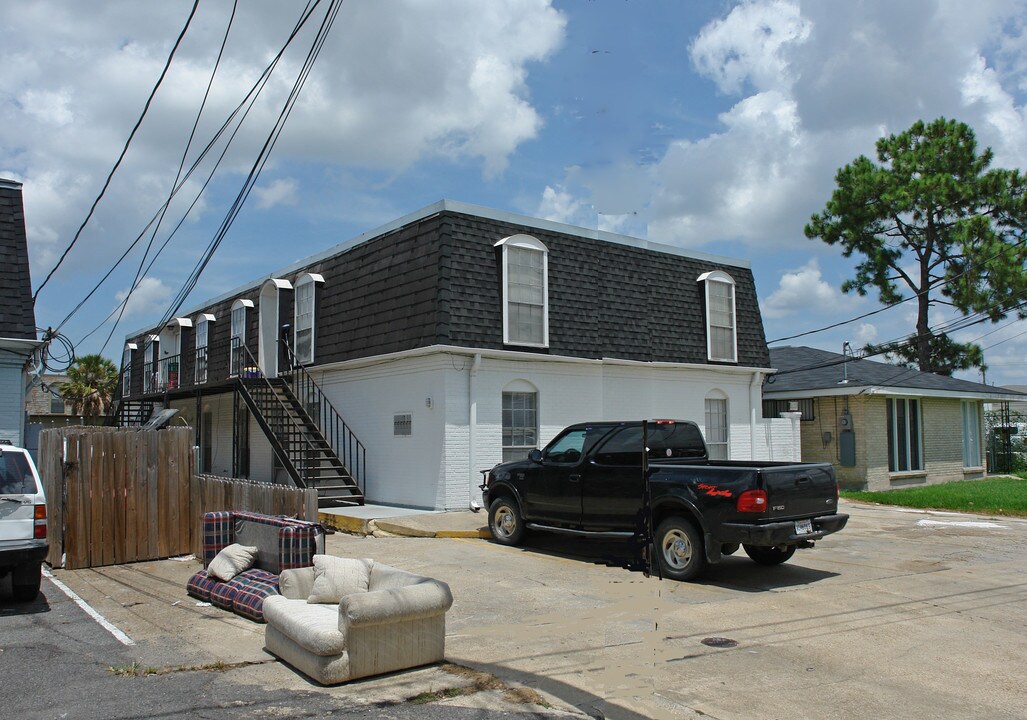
(590, 481)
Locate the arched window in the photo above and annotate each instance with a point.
(717, 427)
(238, 344)
(201, 337)
(525, 291)
(721, 337)
(520, 420)
(304, 320)
(126, 369)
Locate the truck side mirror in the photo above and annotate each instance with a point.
(535, 455)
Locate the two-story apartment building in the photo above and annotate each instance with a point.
(449, 340)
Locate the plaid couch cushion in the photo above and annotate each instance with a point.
(218, 533)
(253, 586)
(223, 594)
(199, 585)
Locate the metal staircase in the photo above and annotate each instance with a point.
(299, 442)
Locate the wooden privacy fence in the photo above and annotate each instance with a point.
(116, 496)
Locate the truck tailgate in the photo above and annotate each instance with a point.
(795, 491)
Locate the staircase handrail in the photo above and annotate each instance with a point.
(294, 471)
(347, 446)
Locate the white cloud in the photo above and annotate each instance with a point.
(866, 333)
(802, 291)
(751, 45)
(283, 191)
(396, 83)
(560, 205)
(151, 297)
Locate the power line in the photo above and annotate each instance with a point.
(124, 151)
(249, 99)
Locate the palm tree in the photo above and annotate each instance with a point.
(90, 386)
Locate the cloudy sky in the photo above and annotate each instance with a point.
(710, 124)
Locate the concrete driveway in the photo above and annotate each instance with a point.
(901, 615)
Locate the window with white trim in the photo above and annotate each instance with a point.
(520, 424)
(200, 335)
(525, 291)
(721, 337)
(971, 434)
(905, 451)
(303, 322)
(717, 428)
(149, 366)
(238, 342)
(126, 372)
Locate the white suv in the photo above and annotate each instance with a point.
(23, 544)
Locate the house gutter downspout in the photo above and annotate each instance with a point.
(472, 423)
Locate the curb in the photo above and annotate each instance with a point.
(360, 526)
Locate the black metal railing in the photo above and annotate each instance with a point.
(340, 436)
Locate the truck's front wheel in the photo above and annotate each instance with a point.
(768, 555)
(505, 521)
(680, 549)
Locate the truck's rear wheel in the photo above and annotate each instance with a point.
(679, 548)
(768, 555)
(505, 521)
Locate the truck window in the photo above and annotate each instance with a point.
(623, 448)
(675, 440)
(573, 444)
(15, 475)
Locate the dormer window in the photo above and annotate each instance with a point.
(525, 291)
(238, 343)
(721, 337)
(306, 301)
(201, 336)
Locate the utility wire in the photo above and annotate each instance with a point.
(124, 151)
(259, 163)
(178, 174)
(250, 98)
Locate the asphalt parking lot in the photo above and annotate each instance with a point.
(901, 615)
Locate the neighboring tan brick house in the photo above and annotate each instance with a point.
(17, 315)
(882, 426)
(451, 339)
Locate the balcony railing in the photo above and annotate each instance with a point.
(193, 368)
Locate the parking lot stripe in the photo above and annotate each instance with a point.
(89, 610)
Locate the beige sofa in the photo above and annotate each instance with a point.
(398, 622)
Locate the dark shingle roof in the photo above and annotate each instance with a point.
(17, 318)
(803, 369)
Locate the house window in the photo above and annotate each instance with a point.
(520, 424)
(238, 345)
(304, 317)
(202, 328)
(716, 428)
(525, 291)
(774, 408)
(126, 371)
(721, 342)
(904, 449)
(56, 405)
(149, 366)
(971, 435)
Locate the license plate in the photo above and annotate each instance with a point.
(803, 527)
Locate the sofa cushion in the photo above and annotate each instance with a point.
(315, 628)
(231, 561)
(253, 587)
(297, 583)
(336, 577)
(223, 594)
(200, 585)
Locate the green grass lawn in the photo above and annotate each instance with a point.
(991, 496)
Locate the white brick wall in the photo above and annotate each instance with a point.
(433, 467)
